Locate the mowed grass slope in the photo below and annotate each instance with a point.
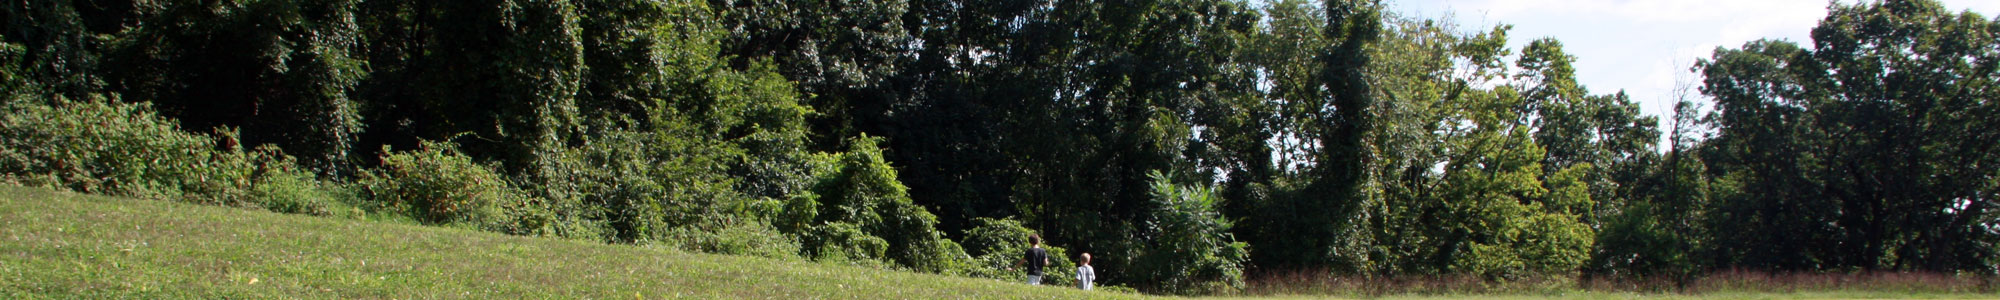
(64, 245)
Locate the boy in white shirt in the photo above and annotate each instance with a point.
(1085, 274)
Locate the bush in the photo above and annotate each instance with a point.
(1636, 245)
(293, 191)
(862, 192)
(1186, 247)
(438, 185)
(659, 188)
(104, 147)
(998, 243)
(844, 242)
(1515, 241)
(735, 238)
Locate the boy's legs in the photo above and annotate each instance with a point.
(1034, 279)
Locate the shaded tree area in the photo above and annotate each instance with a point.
(1186, 144)
(1867, 150)
(1870, 150)
(620, 121)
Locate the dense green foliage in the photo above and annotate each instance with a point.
(438, 185)
(863, 212)
(1188, 144)
(196, 63)
(998, 244)
(1871, 150)
(127, 150)
(1474, 181)
(1187, 246)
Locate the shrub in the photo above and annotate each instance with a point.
(291, 190)
(1185, 245)
(1524, 242)
(735, 238)
(105, 147)
(659, 188)
(862, 191)
(998, 243)
(844, 242)
(995, 236)
(438, 185)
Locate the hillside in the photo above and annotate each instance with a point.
(64, 245)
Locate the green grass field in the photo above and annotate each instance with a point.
(64, 245)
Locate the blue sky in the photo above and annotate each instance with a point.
(1643, 46)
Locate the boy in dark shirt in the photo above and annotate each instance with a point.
(1036, 257)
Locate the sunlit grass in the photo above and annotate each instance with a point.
(63, 245)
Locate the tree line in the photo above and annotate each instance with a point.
(1185, 143)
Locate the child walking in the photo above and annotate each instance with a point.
(1035, 257)
(1085, 274)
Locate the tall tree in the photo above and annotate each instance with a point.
(1869, 151)
(1603, 138)
(1324, 116)
(1056, 111)
(1659, 232)
(841, 54)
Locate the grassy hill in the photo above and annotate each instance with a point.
(64, 245)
